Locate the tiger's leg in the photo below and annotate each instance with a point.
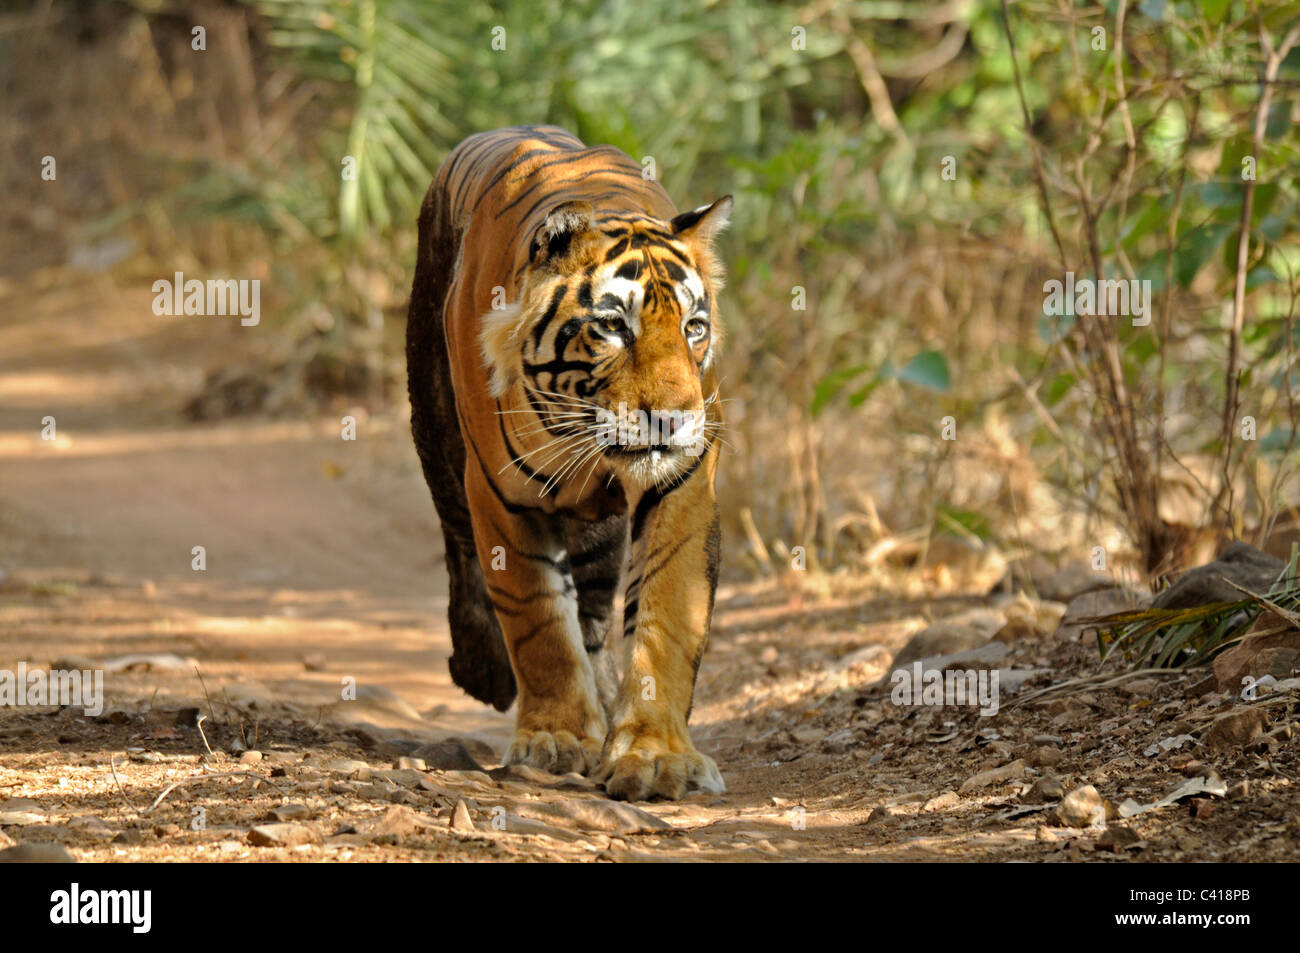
(559, 724)
(668, 608)
(596, 553)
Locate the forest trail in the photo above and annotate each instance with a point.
(323, 563)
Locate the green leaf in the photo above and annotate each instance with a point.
(929, 369)
(832, 384)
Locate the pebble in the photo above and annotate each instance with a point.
(283, 835)
(291, 812)
(460, 817)
(447, 756)
(1234, 729)
(36, 853)
(1008, 772)
(1080, 807)
(945, 801)
(350, 768)
(1043, 790)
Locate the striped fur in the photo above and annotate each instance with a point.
(556, 287)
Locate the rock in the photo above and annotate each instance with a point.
(460, 817)
(1235, 729)
(951, 635)
(447, 756)
(943, 802)
(402, 777)
(1239, 562)
(251, 757)
(20, 818)
(350, 768)
(399, 747)
(36, 853)
(1017, 630)
(411, 764)
(597, 814)
(1044, 790)
(291, 812)
(91, 826)
(1008, 772)
(1098, 602)
(1275, 653)
(283, 835)
(1081, 807)
(1117, 837)
(1071, 581)
(838, 742)
(527, 825)
(1044, 756)
(399, 821)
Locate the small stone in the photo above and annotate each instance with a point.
(36, 853)
(460, 817)
(251, 757)
(838, 742)
(943, 802)
(283, 835)
(447, 756)
(1081, 807)
(291, 812)
(1044, 790)
(1044, 756)
(411, 764)
(351, 769)
(1117, 837)
(402, 777)
(1016, 630)
(1008, 772)
(881, 817)
(92, 827)
(399, 821)
(1235, 729)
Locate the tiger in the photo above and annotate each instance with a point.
(562, 340)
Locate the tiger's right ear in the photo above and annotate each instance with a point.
(560, 235)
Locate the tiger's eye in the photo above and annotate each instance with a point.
(696, 327)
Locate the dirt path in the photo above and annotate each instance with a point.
(323, 565)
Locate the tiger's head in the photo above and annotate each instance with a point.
(612, 339)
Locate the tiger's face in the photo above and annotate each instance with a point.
(611, 342)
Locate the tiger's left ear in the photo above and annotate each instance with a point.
(704, 222)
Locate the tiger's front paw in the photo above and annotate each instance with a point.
(642, 767)
(558, 752)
